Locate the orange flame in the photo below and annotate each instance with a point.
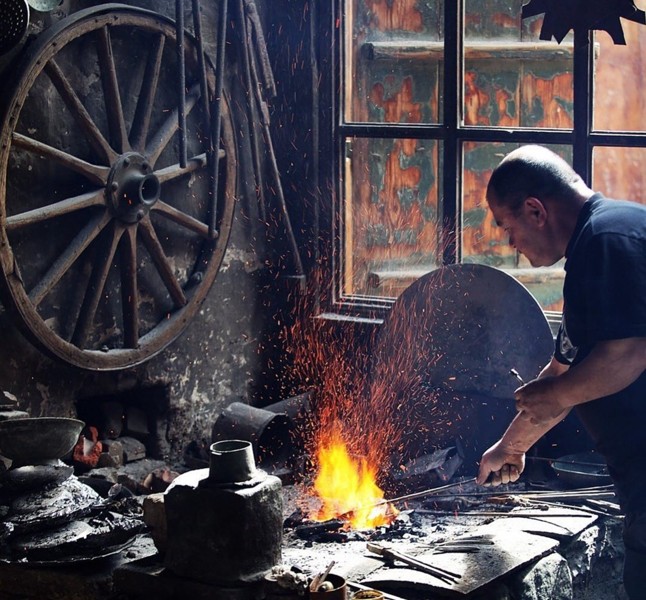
(365, 403)
(346, 484)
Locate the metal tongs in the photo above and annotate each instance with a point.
(393, 555)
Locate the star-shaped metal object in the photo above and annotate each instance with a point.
(582, 15)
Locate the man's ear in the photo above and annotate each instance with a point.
(535, 210)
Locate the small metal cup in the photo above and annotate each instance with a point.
(231, 461)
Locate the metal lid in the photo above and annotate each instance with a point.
(44, 5)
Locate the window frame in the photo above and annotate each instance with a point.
(334, 132)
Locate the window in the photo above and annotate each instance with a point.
(427, 97)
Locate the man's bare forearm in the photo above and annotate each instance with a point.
(521, 434)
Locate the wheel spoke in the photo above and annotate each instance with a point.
(174, 171)
(129, 289)
(79, 112)
(154, 247)
(95, 173)
(113, 106)
(57, 209)
(165, 133)
(181, 218)
(96, 285)
(143, 112)
(61, 265)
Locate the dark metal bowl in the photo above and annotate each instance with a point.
(582, 469)
(38, 440)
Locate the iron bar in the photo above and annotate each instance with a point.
(216, 114)
(264, 119)
(499, 513)
(197, 26)
(244, 50)
(427, 492)
(408, 497)
(181, 68)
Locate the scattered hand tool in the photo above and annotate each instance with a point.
(469, 545)
(319, 579)
(437, 572)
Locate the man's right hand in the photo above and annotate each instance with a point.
(499, 466)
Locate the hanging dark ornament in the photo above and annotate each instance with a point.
(561, 16)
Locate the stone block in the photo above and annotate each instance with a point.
(114, 451)
(133, 449)
(550, 577)
(223, 535)
(155, 518)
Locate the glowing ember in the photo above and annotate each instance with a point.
(348, 485)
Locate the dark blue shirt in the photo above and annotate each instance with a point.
(605, 299)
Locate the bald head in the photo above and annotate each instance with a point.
(533, 171)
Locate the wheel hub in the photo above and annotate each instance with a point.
(132, 188)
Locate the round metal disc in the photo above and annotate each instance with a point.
(444, 354)
(466, 326)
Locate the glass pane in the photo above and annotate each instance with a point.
(619, 173)
(511, 78)
(619, 101)
(391, 214)
(483, 242)
(393, 60)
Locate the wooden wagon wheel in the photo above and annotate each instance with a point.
(108, 245)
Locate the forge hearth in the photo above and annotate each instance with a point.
(496, 550)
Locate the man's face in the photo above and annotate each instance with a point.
(527, 230)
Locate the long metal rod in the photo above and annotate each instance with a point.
(197, 26)
(407, 497)
(244, 51)
(546, 494)
(278, 186)
(216, 114)
(424, 493)
(469, 513)
(181, 64)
